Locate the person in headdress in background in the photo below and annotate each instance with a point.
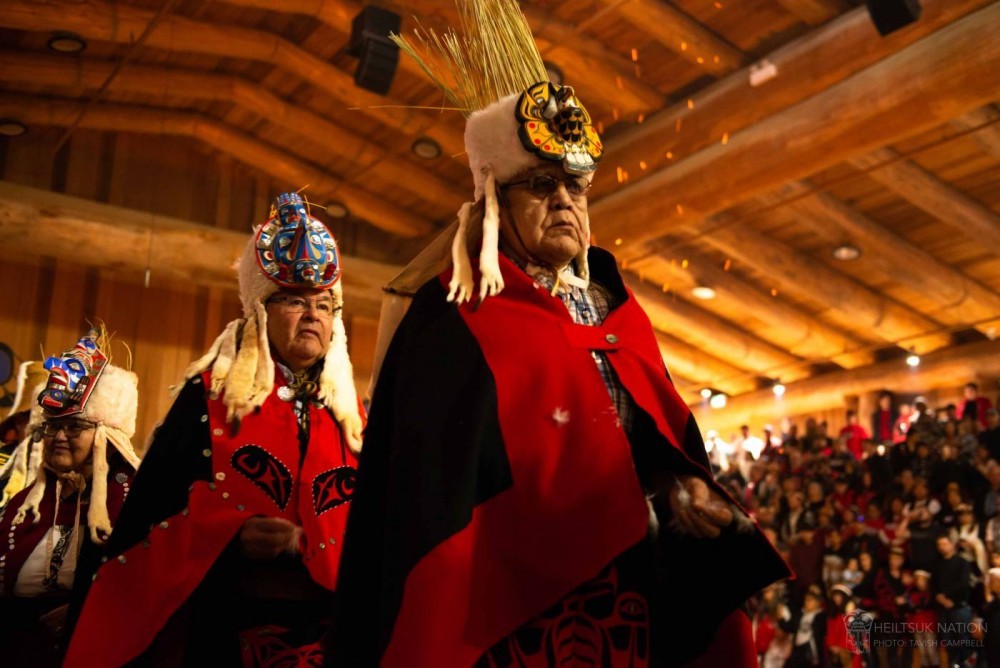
(227, 551)
(21, 451)
(530, 473)
(88, 408)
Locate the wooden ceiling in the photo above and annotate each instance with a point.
(891, 145)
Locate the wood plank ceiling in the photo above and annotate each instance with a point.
(890, 145)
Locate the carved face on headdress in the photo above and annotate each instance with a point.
(554, 125)
(72, 378)
(295, 250)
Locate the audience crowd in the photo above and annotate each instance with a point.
(893, 531)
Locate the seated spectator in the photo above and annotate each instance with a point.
(841, 458)
(890, 596)
(921, 512)
(965, 535)
(974, 406)
(852, 575)
(815, 497)
(902, 425)
(884, 418)
(948, 469)
(952, 595)
(947, 517)
(864, 592)
(991, 500)
(922, 618)
(839, 645)
(853, 434)
(922, 462)
(808, 630)
(991, 619)
(990, 435)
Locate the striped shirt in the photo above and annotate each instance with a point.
(591, 306)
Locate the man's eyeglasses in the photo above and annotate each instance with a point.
(543, 185)
(72, 428)
(290, 304)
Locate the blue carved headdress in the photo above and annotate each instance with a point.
(294, 249)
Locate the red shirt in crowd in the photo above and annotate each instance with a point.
(855, 434)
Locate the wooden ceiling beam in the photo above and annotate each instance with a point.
(806, 66)
(852, 304)
(738, 300)
(938, 198)
(950, 368)
(985, 124)
(88, 75)
(119, 23)
(591, 67)
(880, 104)
(961, 298)
(815, 12)
(709, 332)
(36, 223)
(681, 34)
(260, 156)
(585, 62)
(691, 369)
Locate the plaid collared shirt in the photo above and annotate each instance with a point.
(591, 307)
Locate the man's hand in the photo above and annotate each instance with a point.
(268, 537)
(945, 602)
(697, 509)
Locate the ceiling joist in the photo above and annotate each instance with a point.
(160, 82)
(880, 104)
(294, 173)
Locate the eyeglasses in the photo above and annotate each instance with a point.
(72, 428)
(290, 304)
(543, 185)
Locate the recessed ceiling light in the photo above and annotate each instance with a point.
(778, 389)
(554, 73)
(11, 127)
(706, 392)
(703, 292)
(847, 252)
(913, 359)
(426, 148)
(67, 42)
(718, 400)
(337, 210)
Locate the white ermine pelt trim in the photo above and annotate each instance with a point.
(336, 387)
(238, 386)
(582, 266)
(17, 465)
(219, 358)
(263, 382)
(34, 498)
(491, 281)
(97, 514)
(654, 521)
(460, 287)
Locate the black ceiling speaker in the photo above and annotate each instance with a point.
(370, 42)
(891, 15)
